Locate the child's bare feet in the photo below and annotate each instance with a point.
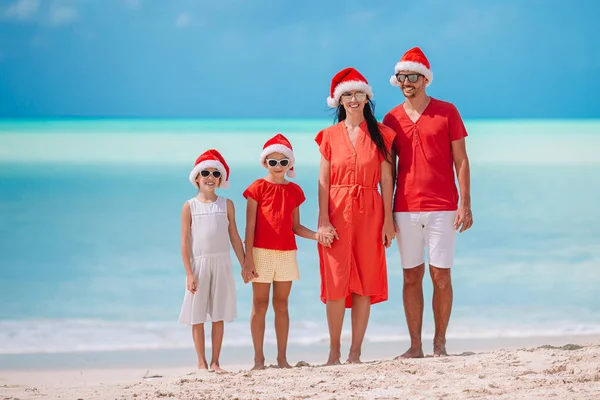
(282, 363)
(334, 358)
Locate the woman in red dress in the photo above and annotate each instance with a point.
(355, 160)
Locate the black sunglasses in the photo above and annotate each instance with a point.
(206, 173)
(411, 77)
(284, 162)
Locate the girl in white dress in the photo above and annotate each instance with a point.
(208, 227)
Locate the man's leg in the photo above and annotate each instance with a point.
(411, 245)
(441, 237)
(442, 307)
(412, 295)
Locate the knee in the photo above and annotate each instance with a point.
(441, 279)
(260, 305)
(280, 305)
(413, 277)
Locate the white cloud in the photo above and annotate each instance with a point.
(61, 15)
(21, 9)
(183, 20)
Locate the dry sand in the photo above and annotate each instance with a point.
(565, 372)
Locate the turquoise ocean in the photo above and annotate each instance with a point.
(90, 225)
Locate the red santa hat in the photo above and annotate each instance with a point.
(413, 60)
(211, 159)
(279, 144)
(344, 81)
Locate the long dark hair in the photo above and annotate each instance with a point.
(369, 114)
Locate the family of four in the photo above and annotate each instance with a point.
(416, 150)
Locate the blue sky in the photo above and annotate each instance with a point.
(275, 58)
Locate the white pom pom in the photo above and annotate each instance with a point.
(291, 173)
(331, 102)
(224, 185)
(394, 81)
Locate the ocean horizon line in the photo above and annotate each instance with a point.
(258, 119)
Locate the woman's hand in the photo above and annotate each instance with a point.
(388, 233)
(325, 239)
(326, 234)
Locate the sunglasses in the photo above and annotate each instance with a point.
(206, 173)
(411, 77)
(359, 96)
(271, 162)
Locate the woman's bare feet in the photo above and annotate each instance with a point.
(215, 367)
(203, 365)
(282, 363)
(413, 352)
(259, 363)
(334, 358)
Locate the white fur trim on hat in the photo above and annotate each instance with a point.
(210, 164)
(414, 67)
(346, 87)
(283, 149)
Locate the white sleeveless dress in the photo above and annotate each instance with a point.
(215, 297)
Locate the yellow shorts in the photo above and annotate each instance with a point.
(275, 265)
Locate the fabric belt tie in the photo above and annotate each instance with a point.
(356, 192)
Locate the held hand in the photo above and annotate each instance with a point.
(249, 270)
(464, 219)
(388, 233)
(325, 239)
(327, 234)
(191, 284)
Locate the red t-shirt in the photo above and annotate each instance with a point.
(275, 213)
(425, 180)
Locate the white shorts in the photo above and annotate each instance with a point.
(426, 230)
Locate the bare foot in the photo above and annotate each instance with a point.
(217, 368)
(413, 352)
(282, 363)
(439, 349)
(353, 361)
(334, 358)
(258, 364)
(203, 366)
(353, 358)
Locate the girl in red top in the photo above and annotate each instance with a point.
(272, 221)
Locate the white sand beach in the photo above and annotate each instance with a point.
(567, 371)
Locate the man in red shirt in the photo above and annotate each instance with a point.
(430, 141)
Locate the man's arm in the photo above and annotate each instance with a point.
(464, 217)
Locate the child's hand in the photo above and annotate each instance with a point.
(326, 234)
(191, 283)
(326, 238)
(248, 270)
